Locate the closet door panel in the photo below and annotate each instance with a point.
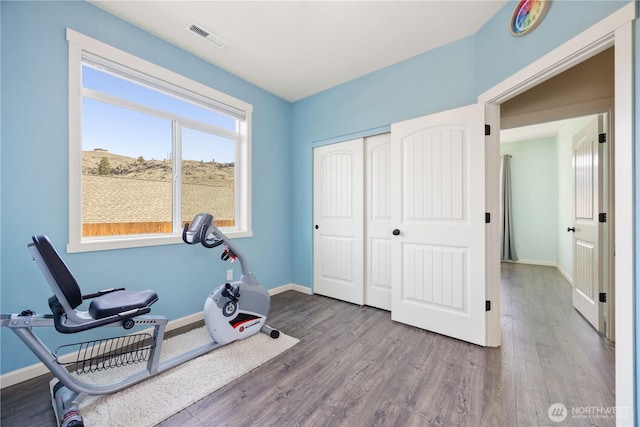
(338, 267)
(378, 225)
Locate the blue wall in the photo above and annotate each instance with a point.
(451, 76)
(34, 171)
(534, 189)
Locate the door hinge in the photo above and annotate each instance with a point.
(602, 138)
(603, 297)
(487, 217)
(487, 130)
(602, 217)
(487, 305)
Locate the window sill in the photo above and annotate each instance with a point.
(105, 244)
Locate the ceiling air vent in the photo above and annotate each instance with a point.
(214, 39)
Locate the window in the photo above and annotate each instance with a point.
(148, 150)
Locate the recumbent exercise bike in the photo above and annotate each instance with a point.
(233, 311)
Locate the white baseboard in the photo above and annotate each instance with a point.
(547, 264)
(290, 287)
(33, 371)
(565, 275)
(533, 262)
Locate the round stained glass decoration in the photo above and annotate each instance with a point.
(527, 15)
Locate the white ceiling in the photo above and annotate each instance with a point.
(294, 49)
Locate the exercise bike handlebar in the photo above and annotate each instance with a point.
(204, 241)
(203, 230)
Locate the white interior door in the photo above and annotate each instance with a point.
(587, 230)
(438, 216)
(338, 244)
(378, 222)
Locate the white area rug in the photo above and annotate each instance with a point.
(154, 400)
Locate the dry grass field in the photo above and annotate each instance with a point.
(194, 172)
(126, 195)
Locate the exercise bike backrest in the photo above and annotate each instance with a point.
(64, 279)
(107, 306)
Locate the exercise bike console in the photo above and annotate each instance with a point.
(191, 234)
(198, 232)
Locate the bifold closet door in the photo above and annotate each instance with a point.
(338, 200)
(352, 214)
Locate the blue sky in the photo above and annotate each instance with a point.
(135, 134)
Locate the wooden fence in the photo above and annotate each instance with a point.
(125, 228)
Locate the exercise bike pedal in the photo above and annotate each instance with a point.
(226, 292)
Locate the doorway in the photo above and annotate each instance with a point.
(543, 206)
(615, 30)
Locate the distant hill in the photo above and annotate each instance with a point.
(194, 172)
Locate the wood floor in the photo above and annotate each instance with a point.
(355, 367)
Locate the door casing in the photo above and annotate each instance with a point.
(615, 30)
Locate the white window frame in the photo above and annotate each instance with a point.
(79, 43)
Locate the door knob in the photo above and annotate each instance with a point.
(396, 232)
(573, 229)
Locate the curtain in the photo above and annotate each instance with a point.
(507, 245)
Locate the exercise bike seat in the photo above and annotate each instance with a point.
(106, 307)
(118, 302)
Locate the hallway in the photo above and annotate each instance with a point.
(550, 353)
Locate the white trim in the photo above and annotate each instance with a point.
(624, 225)
(544, 264)
(492, 229)
(151, 82)
(162, 114)
(79, 43)
(75, 148)
(532, 262)
(138, 242)
(566, 275)
(616, 29)
(116, 55)
(290, 287)
(243, 168)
